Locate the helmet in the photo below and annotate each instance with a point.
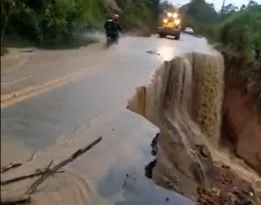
(115, 17)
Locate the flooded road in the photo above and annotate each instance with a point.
(56, 123)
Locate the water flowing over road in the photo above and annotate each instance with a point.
(54, 123)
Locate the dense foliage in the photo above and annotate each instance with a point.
(49, 20)
(239, 33)
(139, 13)
(57, 21)
(241, 36)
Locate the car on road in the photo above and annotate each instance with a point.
(170, 25)
(189, 30)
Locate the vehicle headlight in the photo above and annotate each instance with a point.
(165, 20)
(177, 21)
(169, 14)
(175, 15)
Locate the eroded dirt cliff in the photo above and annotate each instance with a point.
(184, 99)
(241, 124)
(176, 101)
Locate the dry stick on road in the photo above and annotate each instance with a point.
(47, 173)
(51, 171)
(10, 166)
(20, 178)
(23, 177)
(19, 200)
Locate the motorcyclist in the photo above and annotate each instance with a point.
(112, 26)
(116, 20)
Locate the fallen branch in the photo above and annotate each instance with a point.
(16, 179)
(15, 201)
(10, 166)
(53, 170)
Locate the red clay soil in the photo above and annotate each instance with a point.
(241, 124)
(228, 189)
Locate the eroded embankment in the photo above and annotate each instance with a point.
(184, 99)
(241, 125)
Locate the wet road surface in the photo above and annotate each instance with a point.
(69, 117)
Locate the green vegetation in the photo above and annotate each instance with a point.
(48, 21)
(239, 33)
(139, 14)
(55, 22)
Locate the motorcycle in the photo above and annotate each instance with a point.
(112, 39)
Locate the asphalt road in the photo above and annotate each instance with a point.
(73, 115)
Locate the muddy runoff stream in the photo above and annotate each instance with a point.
(184, 99)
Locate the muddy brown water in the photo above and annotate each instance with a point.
(54, 124)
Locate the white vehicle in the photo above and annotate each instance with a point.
(189, 30)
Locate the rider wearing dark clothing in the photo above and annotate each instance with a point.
(117, 24)
(112, 26)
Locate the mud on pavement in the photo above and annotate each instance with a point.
(24, 75)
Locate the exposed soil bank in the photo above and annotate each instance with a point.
(241, 129)
(228, 187)
(184, 99)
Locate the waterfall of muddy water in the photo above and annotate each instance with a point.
(184, 100)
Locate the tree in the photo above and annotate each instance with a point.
(243, 7)
(230, 8)
(200, 11)
(252, 3)
(44, 21)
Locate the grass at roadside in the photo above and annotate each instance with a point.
(239, 40)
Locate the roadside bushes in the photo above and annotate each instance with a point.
(139, 14)
(57, 22)
(240, 38)
(238, 34)
(50, 21)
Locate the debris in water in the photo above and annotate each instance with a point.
(28, 176)
(125, 180)
(47, 172)
(10, 166)
(153, 52)
(167, 200)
